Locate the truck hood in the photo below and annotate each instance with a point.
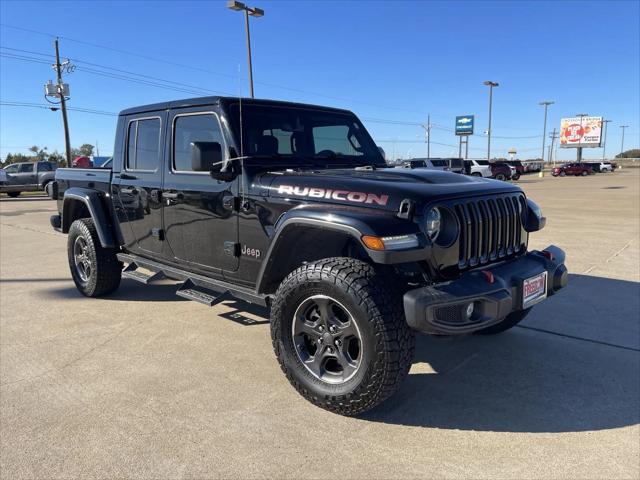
(380, 189)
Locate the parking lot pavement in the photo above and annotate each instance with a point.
(144, 384)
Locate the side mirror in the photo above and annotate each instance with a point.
(206, 156)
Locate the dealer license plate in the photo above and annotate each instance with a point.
(534, 290)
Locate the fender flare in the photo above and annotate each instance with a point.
(91, 199)
(349, 222)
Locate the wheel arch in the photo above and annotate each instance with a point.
(303, 236)
(86, 203)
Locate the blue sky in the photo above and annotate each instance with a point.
(389, 61)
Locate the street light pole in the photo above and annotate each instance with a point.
(604, 142)
(254, 12)
(546, 104)
(622, 144)
(490, 84)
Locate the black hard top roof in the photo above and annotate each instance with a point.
(203, 101)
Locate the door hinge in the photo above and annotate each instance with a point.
(232, 249)
(158, 233)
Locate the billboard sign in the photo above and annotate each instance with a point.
(580, 132)
(464, 125)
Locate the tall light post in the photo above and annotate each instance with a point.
(490, 84)
(622, 144)
(254, 12)
(604, 140)
(546, 104)
(581, 116)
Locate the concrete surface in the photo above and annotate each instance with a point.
(146, 385)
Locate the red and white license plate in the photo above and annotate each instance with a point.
(534, 289)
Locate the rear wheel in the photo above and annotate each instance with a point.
(510, 321)
(14, 194)
(584, 173)
(476, 174)
(501, 176)
(339, 333)
(95, 270)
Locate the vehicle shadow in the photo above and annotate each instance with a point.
(526, 380)
(129, 291)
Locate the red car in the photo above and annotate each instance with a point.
(500, 171)
(576, 169)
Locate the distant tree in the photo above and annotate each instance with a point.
(39, 153)
(86, 150)
(58, 158)
(633, 153)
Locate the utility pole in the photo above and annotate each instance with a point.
(622, 144)
(63, 104)
(553, 137)
(429, 136)
(546, 104)
(490, 84)
(427, 132)
(605, 127)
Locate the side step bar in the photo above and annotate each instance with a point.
(131, 271)
(195, 287)
(190, 291)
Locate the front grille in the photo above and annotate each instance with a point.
(490, 229)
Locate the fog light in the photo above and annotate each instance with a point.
(470, 309)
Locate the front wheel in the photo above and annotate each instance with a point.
(13, 194)
(501, 176)
(562, 174)
(476, 174)
(584, 173)
(340, 336)
(95, 269)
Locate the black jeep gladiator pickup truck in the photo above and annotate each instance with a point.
(292, 207)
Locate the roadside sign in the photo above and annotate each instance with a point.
(580, 132)
(464, 125)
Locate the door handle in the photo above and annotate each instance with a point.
(125, 176)
(129, 191)
(173, 196)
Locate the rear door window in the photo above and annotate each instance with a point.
(143, 145)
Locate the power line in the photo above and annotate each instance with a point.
(49, 107)
(168, 62)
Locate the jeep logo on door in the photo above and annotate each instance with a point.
(342, 195)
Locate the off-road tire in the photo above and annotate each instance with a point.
(14, 194)
(509, 321)
(375, 303)
(106, 271)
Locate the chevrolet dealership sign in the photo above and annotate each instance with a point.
(464, 125)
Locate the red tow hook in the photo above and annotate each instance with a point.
(488, 276)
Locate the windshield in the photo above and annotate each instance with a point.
(289, 133)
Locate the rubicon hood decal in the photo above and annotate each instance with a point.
(342, 195)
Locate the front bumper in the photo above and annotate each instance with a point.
(495, 291)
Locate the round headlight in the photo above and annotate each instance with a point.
(433, 221)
